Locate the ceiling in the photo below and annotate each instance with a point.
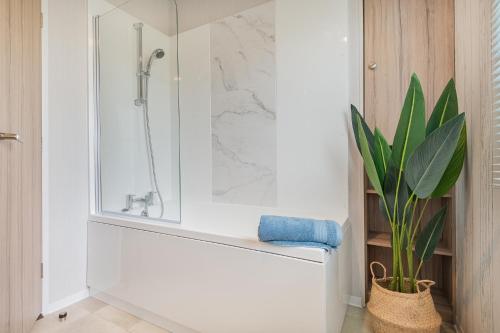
(160, 14)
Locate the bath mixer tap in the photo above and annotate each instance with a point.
(147, 200)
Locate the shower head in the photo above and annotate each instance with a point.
(157, 54)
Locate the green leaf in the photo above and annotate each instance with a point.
(370, 168)
(390, 184)
(368, 132)
(454, 168)
(429, 237)
(429, 161)
(446, 108)
(377, 160)
(382, 154)
(411, 127)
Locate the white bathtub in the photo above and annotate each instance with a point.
(190, 281)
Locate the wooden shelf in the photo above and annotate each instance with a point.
(382, 239)
(372, 191)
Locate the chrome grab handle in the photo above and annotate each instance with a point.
(10, 137)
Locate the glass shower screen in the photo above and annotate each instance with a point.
(137, 111)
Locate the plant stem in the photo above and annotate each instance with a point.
(419, 220)
(400, 237)
(395, 263)
(409, 258)
(401, 272)
(395, 268)
(412, 218)
(397, 193)
(419, 267)
(409, 249)
(414, 277)
(388, 213)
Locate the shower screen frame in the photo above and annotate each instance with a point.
(95, 129)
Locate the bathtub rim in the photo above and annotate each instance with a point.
(178, 230)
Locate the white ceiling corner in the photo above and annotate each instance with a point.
(160, 14)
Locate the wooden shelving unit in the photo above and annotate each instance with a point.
(439, 269)
(383, 239)
(372, 191)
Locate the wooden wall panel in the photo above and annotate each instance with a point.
(402, 37)
(495, 274)
(31, 171)
(20, 165)
(477, 238)
(4, 151)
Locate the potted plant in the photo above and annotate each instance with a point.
(423, 162)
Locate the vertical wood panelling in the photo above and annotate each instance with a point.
(495, 258)
(382, 37)
(20, 165)
(4, 153)
(14, 162)
(402, 37)
(475, 239)
(31, 163)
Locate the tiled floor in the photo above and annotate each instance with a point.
(94, 316)
(358, 321)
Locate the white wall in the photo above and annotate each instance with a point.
(64, 152)
(312, 105)
(243, 107)
(356, 173)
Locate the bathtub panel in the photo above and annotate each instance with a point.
(208, 287)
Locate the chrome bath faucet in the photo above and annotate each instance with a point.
(147, 201)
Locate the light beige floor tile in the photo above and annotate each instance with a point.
(92, 304)
(356, 312)
(93, 316)
(51, 323)
(144, 327)
(356, 321)
(117, 317)
(92, 324)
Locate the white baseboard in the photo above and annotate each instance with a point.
(65, 302)
(355, 301)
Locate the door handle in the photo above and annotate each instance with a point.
(10, 137)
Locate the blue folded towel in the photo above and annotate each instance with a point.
(294, 231)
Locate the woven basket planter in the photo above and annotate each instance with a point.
(394, 312)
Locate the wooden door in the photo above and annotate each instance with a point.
(20, 165)
(402, 37)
